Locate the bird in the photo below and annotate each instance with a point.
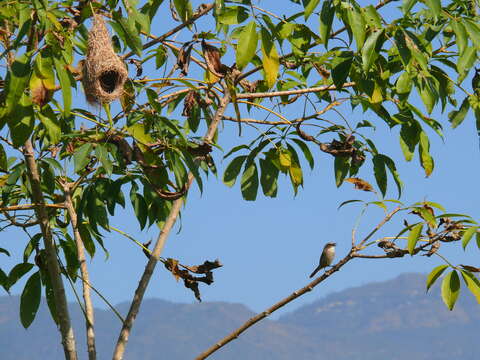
(476, 82)
(328, 254)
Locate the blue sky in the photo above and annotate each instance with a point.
(268, 247)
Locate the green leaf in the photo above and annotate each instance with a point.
(233, 15)
(461, 38)
(232, 170)
(81, 157)
(65, 84)
(21, 121)
(467, 236)
(296, 176)
(473, 30)
(407, 5)
(140, 134)
(3, 159)
(247, 45)
(409, 138)
(140, 208)
(249, 182)
(49, 295)
(370, 49)
(413, 237)
(30, 299)
(184, 9)
(404, 83)
(3, 280)
(17, 80)
(70, 251)
(101, 153)
(358, 26)
(48, 118)
(341, 68)
(393, 170)
(472, 284)
(450, 289)
(310, 6)
(426, 159)
(341, 167)
(268, 178)
(270, 59)
(128, 32)
(456, 117)
(465, 62)
(326, 19)
(435, 274)
(348, 202)
(380, 173)
(306, 152)
(435, 6)
(17, 272)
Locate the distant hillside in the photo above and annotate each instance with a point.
(388, 321)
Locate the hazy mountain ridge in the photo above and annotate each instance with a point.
(388, 320)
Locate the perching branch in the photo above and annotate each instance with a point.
(66, 330)
(89, 311)
(157, 250)
(309, 287)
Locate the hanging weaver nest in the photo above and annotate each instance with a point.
(104, 73)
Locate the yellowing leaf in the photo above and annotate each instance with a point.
(270, 60)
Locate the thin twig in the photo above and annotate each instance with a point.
(157, 250)
(385, 219)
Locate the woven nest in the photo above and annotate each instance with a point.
(104, 73)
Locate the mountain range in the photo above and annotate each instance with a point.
(389, 320)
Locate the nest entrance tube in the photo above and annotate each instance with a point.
(104, 73)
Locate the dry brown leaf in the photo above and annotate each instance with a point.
(360, 184)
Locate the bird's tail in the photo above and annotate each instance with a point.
(315, 271)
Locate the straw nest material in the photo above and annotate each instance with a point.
(104, 73)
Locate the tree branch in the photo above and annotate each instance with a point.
(66, 330)
(157, 250)
(89, 311)
(309, 287)
(291, 92)
(31, 207)
(252, 321)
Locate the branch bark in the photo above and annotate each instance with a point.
(89, 312)
(291, 92)
(66, 330)
(160, 243)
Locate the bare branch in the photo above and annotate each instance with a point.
(31, 207)
(252, 321)
(291, 92)
(89, 312)
(66, 330)
(157, 250)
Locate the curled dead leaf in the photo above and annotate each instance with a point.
(360, 184)
(212, 58)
